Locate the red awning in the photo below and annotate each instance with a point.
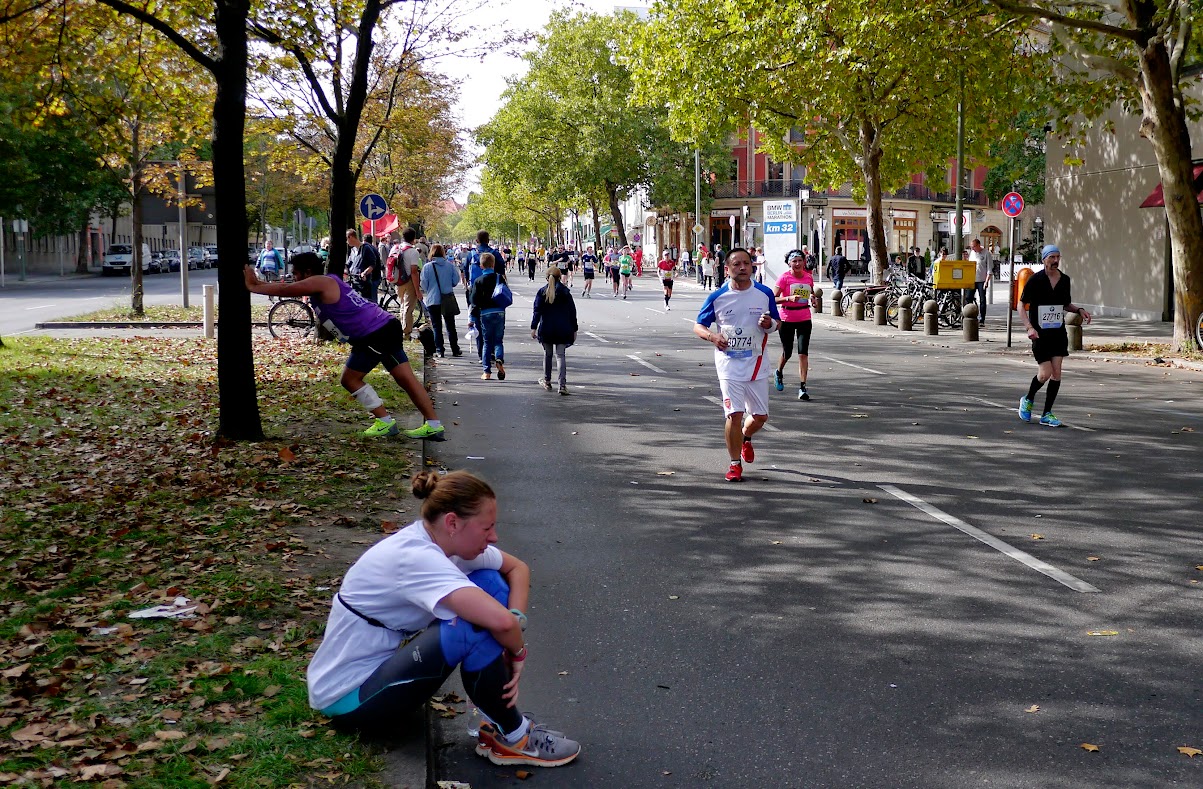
(1157, 199)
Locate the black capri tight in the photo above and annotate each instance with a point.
(795, 331)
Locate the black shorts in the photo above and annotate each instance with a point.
(614, 274)
(384, 346)
(668, 283)
(792, 332)
(588, 273)
(1050, 343)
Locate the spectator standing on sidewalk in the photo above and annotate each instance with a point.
(984, 274)
(374, 335)
(742, 313)
(837, 269)
(553, 323)
(795, 295)
(438, 281)
(270, 265)
(436, 596)
(364, 265)
(1047, 296)
(491, 317)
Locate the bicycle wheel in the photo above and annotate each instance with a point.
(290, 318)
(392, 305)
(892, 311)
(949, 314)
(1199, 333)
(846, 303)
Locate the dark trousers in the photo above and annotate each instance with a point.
(444, 325)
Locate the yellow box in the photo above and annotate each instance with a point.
(949, 274)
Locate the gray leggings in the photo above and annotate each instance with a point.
(560, 350)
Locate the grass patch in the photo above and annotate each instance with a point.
(117, 498)
(156, 314)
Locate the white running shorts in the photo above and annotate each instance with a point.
(750, 397)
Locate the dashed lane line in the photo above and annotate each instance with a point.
(848, 364)
(647, 364)
(1039, 565)
(597, 337)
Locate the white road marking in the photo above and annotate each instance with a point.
(1016, 410)
(40, 307)
(849, 364)
(597, 337)
(646, 364)
(767, 426)
(15, 333)
(1040, 566)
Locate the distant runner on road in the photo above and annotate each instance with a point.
(625, 264)
(668, 269)
(588, 270)
(795, 294)
(1047, 298)
(743, 314)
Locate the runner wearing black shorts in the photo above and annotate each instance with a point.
(1047, 297)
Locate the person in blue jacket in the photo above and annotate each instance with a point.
(554, 325)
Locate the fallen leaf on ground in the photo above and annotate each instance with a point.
(665, 473)
(523, 774)
(1102, 632)
(1033, 708)
(1089, 747)
(271, 690)
(1092, 558)
(776, 542)
(1186, 750)
(287, 455)
(1037, 536)
(859, 416)
(674, 597)
(170, 734)
(869, 501)
(563, 673)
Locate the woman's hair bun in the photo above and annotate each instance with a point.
(424, 483)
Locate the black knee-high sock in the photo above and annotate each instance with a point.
(1035, 387)
(1054, 386)
(485, 688)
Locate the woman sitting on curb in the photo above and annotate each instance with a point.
(436, 595)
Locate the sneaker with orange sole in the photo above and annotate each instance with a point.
(539, 747)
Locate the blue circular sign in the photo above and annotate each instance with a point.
(373, 207)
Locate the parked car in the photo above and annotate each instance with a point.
(252, 253)
(171, 259)
(197, 258)
(211, 251)
(157, 264)
(120, 258)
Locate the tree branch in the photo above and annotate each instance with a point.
(187, 47)
(1068, 21)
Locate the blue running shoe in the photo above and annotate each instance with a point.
(1025, 409)
(1050, 420)
(779, 381)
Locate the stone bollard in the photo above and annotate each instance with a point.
(858, 306)
(837, 303)
(207, 310)
(969, 322)
(818, 305)
(1073, 330)
(930, 325)
(904, 312)
(879, 309)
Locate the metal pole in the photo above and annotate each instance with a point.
(958, 243)
(58, 243)
(2, 237)
(183, 219)
(1011, 282)
(697, 197)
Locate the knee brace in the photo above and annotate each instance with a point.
(367, 397)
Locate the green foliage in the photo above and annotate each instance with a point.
(1020, 162)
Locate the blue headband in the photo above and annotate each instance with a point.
(1049, 249)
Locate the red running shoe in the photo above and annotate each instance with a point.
(735, 472)
(746, 452)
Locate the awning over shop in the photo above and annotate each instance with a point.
(1157, 198)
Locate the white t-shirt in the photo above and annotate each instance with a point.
(398, 581)
(736, 313)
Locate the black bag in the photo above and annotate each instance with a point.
(446, 297)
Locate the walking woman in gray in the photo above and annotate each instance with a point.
(554, 325)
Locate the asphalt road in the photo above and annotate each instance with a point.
(839, 618)
(22, 305)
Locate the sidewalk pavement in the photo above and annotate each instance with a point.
(12, 278)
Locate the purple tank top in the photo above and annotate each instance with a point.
(352, 317)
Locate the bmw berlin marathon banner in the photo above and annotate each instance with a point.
(780, 236)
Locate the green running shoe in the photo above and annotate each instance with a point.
(382, 428)
(427, 433)
(1050, 420)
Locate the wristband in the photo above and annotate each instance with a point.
(519, 656)
(521, 617)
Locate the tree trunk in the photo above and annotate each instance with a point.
(871, 168)
(237, 395)
(135, 177)
(599, 246)
(616, 213)
(1164, 125)
(84, 254)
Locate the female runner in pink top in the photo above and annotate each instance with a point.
(795, 294)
